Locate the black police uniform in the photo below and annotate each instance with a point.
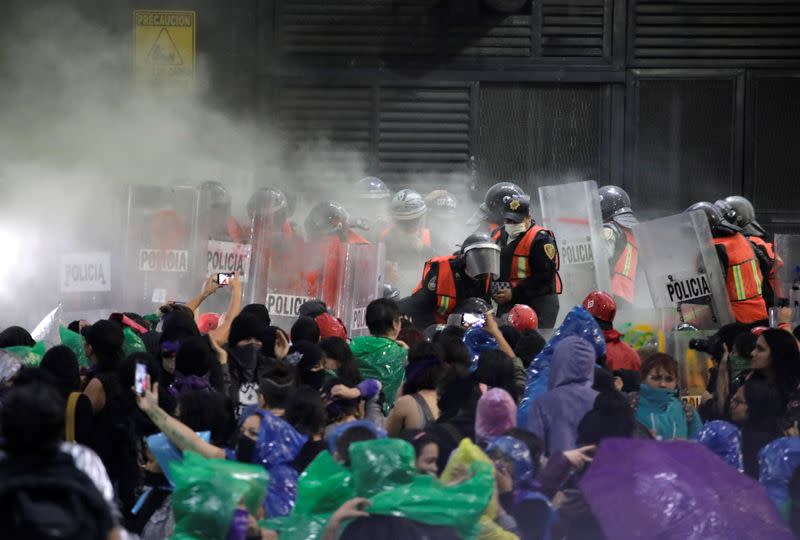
(539, 290)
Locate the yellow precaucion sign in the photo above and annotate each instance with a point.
(164, 45)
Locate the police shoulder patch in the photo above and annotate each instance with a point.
(608, 233)
(550, 251)
(432, 283)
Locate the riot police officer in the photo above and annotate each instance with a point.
(369, 201)
(216, 204)
(745, 219)
(489, 215)
(447, 281)
(441, 219)
(528, 262)
(408, 240)
(623, 255)
(329, 218)
(739, 264)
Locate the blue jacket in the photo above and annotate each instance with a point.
(555, 415)
(660, 410)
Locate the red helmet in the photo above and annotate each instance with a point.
(208, 322)
(523, 317)
(601, 305)
(330, 326)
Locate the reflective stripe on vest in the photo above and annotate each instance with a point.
(445, 286)
(520, 269)
(625, 269)
(743, 280)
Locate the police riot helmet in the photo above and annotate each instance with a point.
(390, 291)
(441, 203)
(326, 218)
(716, 220)
(214, 194)
(268, 202)
(492, 205)
(408, 205)
(745, 215)
(728, 212)
(481, 256)
(516, 208)
(372, 187)
(614, 203)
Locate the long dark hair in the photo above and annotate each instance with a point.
(425, 367)
(339, 350)
(785, 361)
(764, 406)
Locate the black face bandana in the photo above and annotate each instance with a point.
(245, 449)
(246, 358)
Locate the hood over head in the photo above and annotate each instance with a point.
(573, 363)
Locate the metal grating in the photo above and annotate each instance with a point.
(540, 134)
(573, 28)
(684, 142)
(682, 33)
(423, 130)
(375, 28)
(776, 139)
(330, 123)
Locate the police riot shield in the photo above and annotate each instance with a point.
(686, 283)
(86, 263)
(693, 364)
(787, 273)
(572, 212)
(362, 283)
(164, 254)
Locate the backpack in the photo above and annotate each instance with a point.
(50, 498)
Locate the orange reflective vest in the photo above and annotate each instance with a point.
(520, 268)
(445, 286)
(743, 279)
(770, 250)
(625, 269)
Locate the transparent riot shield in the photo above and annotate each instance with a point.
(86, 264)
(273, 277)
(694, 365)
(164, 255)
(572, 212)
(686, 283)
(787, 273)
(362, 283)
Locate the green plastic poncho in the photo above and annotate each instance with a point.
(208, 492)
(383, 471)
(74, 341)
(132, 342)
(381, 359)
(29, 356)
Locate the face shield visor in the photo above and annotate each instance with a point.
(482, 259)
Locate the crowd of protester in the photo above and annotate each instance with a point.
(384, 435)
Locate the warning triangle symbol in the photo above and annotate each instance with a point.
(164, 52)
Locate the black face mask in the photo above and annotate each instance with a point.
(247, 356)
(245, 449)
